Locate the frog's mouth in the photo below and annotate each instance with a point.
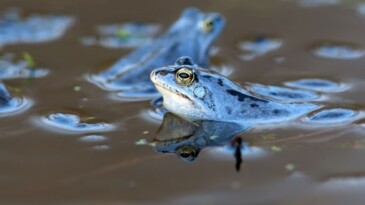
(168, 92)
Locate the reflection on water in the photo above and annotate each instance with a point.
(10, 105)
(73, 123)
(258, 46)
(336, 50)
(312, 164)
(34, 28)
(316, 3)
(320, 85)
(284, 94)
(126, 35)
(187, 139)
(333, 116)
(9, 68)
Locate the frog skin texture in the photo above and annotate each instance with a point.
(194, 93)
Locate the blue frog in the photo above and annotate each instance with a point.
(192, 35)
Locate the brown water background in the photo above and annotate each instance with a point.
(39, 166)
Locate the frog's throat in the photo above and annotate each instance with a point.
(164, 90)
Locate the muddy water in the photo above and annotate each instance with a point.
(40, 164)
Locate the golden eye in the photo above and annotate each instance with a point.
(207, 25)
(187, 153)
(185, 76)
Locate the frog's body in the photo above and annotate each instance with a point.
(195, 93)
(192, 35)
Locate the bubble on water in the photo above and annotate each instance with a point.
(258, 46)
(332, 116)
(335, 50)
(93, 138)
(33, 29)
(10, 105)
(9, 69)
(284, 94)
(316, 84)
(125, 35)
(73, 123)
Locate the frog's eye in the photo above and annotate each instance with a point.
(207, 25)
(187, 153)
(185, 76)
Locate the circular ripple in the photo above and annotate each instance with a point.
(338, 50)
(317, 85)
(284, 94)
(12, 105)
(258, 46)
(335, 115)
(73, 123)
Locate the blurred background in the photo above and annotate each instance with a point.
(107, 160)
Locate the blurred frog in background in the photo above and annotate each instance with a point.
(191, 35)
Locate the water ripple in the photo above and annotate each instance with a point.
(9, 69)
(332, 115)
(33, 29)
(258, 46)
(333, 50)
(317, 84)
(12, 105)
(73, 123)
(284, 94)
(126, 35)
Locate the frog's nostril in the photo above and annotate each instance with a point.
(161, 72)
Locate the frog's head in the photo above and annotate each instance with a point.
(198, 29)
(186, 90)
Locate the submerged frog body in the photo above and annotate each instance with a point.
(194, 93)
(192, 35)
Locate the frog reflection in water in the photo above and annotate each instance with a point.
(192, 35)
(187, 139)
(194, 93)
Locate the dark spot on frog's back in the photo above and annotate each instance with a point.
(220, 82)
(242, 97)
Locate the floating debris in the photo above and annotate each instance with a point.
(35, 28)
(316, 84)
(144, 142)
(275, 148)
(73, 123)
(333, 50)
(331, 116)
(126, 35)
(290, 167)
(25, 68)
(258, 46)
